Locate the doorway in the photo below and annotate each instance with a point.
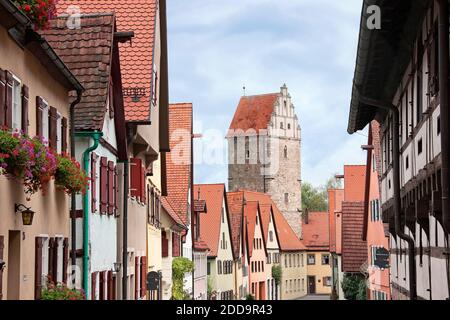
(311, 285)
(262, 290)
(13, 290)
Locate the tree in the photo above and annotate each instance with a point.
(313, 199)
(354, 287)
(180, 266)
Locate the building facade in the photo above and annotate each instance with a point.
(264, 151)
(412, 110)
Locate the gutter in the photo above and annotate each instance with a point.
(86, 155)
(73, 195)
(397, 200)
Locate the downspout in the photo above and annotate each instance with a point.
(73, 195)
(86, 157)
(125, 231)
(397, 200)
(445, 129)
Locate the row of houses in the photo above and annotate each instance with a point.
(93, 84)
(389, 224)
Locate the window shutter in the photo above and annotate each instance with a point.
(39, 243)
(25, 98)
(2, 97)
(135, 169)
(143, 275)
(156, 89)
(64, 134)
(164, 245)
(52, 130)
(39, 107)
(136, 278)
(1, 258)
(143, 184)
(116, 191)
(65, 259)
(51, 244)
(103, 185)
(93, 285)
(55, 260)
(111, 206)
(114, 286)
(94, 158)
(101, 291)
(110, 285)
(9, 90)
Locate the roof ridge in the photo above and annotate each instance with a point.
(260, 95)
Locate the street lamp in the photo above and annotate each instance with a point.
(117, 266)
(27, 214)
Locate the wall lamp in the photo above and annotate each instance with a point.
(2, 265)
(117, 266)
(27, 214)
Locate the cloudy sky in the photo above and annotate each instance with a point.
(216, 46)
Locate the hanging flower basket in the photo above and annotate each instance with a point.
(69, 175)
(38, 11)
(30, 161)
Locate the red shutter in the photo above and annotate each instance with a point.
(110, 285)
(143, 275)
(51, 257)
(143, 184)
(101, 291)
(65, 259)
(52, 127)
(64, 134)
(1, 270)
(136, 278)
(103, 185)
(9, 92)
(111, 206)
(175, 245)
(39, 243)
(39, 107)
(93, 284)
(164, 245)
(2, 97)
(116, 191)
(25, 98)
(135, 170)
(94, 158)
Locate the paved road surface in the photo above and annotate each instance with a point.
(315, 297)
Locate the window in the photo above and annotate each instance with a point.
(325, 259)
(419, 146)
(16, 104)
(285, 261)
(257, 222)
(223, 216)
(311, 259)
(219, 267)
(301, 260)
(208, 268)
(327, 281)
(281, 125)
(290, 261)
(286, 198)
(58, 133)
(285, 152)
(289, 126)
(407, 162)
(438, 125)
(45, 122)
(271, 235)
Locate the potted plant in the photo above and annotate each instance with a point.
(69, 176)
(38, 11)
(61, 291)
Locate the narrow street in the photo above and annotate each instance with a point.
(315, 297)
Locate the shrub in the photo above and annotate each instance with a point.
(352, 285)
(180, 266)
(60, 291)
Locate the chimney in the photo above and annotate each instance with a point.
(305, 216)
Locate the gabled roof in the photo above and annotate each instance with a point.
(136, 59)
(266, 211)
(335, 198)
(354, 249)
(253, 112)
(287, 239)
(88, 51)
(235, 203)
(210, 222)
(250, 213)
(14, 20)
(179, 160)
(171, 212)
(316, 235)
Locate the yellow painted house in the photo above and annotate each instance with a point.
(318, 257)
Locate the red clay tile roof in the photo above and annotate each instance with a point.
(211, 221)
(235, 203)
(136, 59)
(178, 161)
(87, 51)
(266, 211)
(288, 241)
(200, 245)
(253, 112)
(316, 236)
(354, 249)
(335, 198)
(354, 182)
(171, 212)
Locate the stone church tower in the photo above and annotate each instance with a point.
(264, 151)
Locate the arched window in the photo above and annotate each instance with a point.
(285, 151)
